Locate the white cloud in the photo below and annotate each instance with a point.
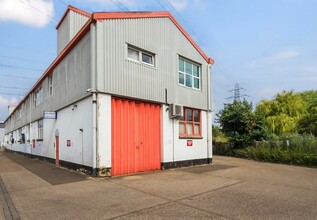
(4, 103)
(282, 56)
(275, 58)
(36, 13)
(179, 5)
(308, 69)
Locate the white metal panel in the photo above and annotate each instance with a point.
(175, 148)
(104, 130)
(199, 148)
(74, 124)
(167, 136)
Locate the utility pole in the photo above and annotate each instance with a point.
(236, 93)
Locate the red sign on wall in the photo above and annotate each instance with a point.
(68, 143)
(189, 143)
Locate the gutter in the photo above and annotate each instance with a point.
(209, 115)
(93, 90)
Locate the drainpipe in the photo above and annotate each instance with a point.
(94, 97)
(209, 115)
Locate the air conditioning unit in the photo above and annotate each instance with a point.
(176, 111)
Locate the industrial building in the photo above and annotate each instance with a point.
(128, 92)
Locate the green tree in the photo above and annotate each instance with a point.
(240, 124)
(282, 114)
(218, 135)
(308, 123)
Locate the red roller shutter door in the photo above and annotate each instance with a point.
(136, 137)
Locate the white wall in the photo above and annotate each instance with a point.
(1, 137)
(104, 130)
(176, 149)
(69, 121)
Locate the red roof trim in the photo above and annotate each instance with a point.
(164, 14)
(123, 15)
(69, 7)
(85, 29)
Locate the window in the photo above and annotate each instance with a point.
(140, 56)
(188, 74)
(38, 96)
(190, 123)
(40, 129)
(50, 85)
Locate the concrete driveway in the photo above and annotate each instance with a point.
(230, 188)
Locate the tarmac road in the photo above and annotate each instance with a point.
(230, 188)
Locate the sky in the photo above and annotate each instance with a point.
(266, 46)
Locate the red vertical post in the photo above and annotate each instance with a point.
(57, 150)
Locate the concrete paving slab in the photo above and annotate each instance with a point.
(172, 210)
(82, 200)
(48, 172)
(173, 184)
(250, 200)
(2, 217)
(230, 188)
(22, 180)
(6, 164)
(301, 177)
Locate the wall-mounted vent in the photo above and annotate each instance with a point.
(176, 111)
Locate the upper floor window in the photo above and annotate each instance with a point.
(40, 129)
(190, 123)
(38, 96)
(188, 74)
(50, 84)
(140, 56)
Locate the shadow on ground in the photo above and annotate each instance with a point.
(48, 172)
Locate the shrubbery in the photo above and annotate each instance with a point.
(293, 149)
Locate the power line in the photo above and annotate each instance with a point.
(22, 59)
(63, 2)
(12, 87)
(17, 76)
(120, 5)
(181, 16)
(191, 29)
(3, 93)
(162, 6)
(20, 67)
(24, 48)
(28, 4)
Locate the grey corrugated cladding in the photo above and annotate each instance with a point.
(121, 76)
(70, 26)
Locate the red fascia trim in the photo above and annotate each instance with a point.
(208, 59)
(69, 7)
(127, 15)
(85, 29)
(163, 14)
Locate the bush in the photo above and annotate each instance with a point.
(278, 155)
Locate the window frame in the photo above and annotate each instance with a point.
(50, 85)
(40, 129)
(184, 73)
(38, 96)
(140, 55)
(183, 120)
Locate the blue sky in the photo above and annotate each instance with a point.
(265, 46)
